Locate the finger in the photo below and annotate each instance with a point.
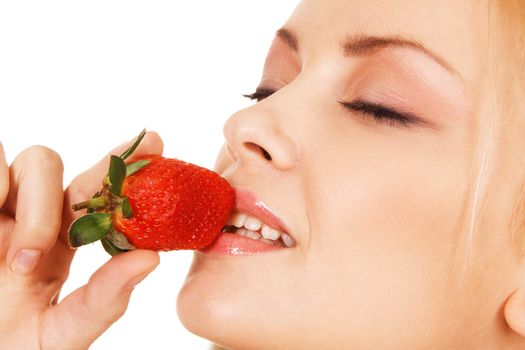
(4, 176)
(87, 312)
(89, 182)
(36, 192)
(5, 220)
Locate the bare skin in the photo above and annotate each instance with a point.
(379, 208)
(378, 205)
(35, 260)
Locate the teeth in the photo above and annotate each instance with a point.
(254, 228)
(288, 241)
(270, 233)
(241, 231)
(249, 233)
(252, 224)
(270, 242)
(237, 220)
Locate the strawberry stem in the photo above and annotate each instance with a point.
(94, 203)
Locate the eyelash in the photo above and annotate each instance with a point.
(260, 94)
(380, 114)
(377, 112)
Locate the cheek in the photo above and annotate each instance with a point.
(382, 193)
(385, 226)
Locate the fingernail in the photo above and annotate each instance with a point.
(25, 261)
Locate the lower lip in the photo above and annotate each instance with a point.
(233, 244)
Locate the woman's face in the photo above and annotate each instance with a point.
(368, 143)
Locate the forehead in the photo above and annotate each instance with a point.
(453, 29)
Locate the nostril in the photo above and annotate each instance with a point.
(266, 154)
(256, 148)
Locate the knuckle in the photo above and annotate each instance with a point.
(106, 312)
(41, 233)
(114, 314)
(44, 155)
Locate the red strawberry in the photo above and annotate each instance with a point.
(154, 203)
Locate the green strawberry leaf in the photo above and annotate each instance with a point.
(89, 228)
(136, 166)
(134, 146)
(126, 208)
(116, 174)
(111, 248)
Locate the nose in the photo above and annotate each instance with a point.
(254, 135)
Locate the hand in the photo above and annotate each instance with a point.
(35, 258)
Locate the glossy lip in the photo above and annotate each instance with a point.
(231, 244)
(246, 202)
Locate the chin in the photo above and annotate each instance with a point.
(209, 306)
(224, 302)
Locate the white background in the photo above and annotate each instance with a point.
(84, 76)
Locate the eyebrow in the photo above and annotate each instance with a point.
(367, 45)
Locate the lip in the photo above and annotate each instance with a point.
(232, 244)
(248, 203)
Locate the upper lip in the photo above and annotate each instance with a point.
(248, 203)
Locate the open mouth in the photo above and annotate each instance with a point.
(251, 227)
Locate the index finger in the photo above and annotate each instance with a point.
(36, 192)
(4, 176)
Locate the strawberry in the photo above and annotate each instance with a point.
(154, 203)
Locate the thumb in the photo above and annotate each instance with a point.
(86, 313)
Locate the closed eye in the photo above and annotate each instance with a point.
(377, 112)
(260, 94)
(381, 114)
